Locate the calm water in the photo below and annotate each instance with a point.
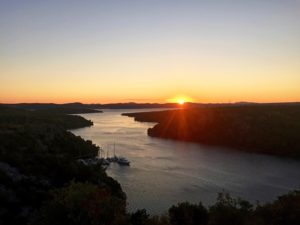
(164, 172)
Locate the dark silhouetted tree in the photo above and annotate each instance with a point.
(188, 214)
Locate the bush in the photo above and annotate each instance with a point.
(188, 214)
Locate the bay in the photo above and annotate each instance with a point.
(165, 172)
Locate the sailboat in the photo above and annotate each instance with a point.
(123, 161)
(120, 160)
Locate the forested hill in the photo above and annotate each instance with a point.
(18, 117)
(262, 128)
(38, 163)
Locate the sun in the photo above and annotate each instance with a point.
(181, 101)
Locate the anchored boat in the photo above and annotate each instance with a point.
(117, 159)
(123, 161)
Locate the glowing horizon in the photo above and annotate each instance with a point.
(149, 51)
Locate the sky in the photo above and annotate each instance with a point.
(97, 51)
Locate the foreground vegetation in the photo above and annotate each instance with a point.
(228, 211)
(42, 183)
(38, 160)
(262, 128)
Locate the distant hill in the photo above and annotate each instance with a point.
(133, 105)
(88, 108)
(77, 107)
(68, 108)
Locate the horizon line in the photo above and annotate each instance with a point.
(153, 103)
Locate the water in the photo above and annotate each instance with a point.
(165, 172)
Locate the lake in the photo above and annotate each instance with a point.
(165, 172)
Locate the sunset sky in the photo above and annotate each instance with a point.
(149, 51)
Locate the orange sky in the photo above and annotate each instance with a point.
(104, 52)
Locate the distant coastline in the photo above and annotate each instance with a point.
(97, 107)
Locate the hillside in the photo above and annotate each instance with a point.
(262, 128)
(38, 163)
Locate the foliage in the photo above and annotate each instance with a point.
(285, 210)
(82, 204)
(262, 128)
(38, 155)
(188, 214)
(228, 210)
(140, 217)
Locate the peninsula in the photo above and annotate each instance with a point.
(260, 128)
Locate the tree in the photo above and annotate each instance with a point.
(140, 217)
(82, 204)
(229, 211)
(188, 214)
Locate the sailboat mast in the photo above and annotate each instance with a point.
(114, 149)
